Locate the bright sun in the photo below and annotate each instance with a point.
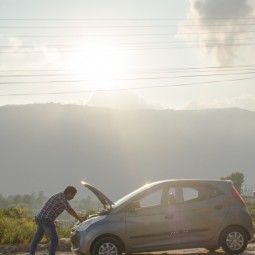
(100, 63)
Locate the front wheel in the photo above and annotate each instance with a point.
(107, 246)
(234, 240)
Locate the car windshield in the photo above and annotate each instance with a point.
(132, 194)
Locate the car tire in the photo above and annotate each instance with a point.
(107, 245)
(234, 240)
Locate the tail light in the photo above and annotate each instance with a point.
(238, 197)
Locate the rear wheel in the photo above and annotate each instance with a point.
(234, 240)
(107, 246)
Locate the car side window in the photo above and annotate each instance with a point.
(152, 199)
(180, 194)
(189, 194)
(200, 193)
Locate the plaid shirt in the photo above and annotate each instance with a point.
(53, 207)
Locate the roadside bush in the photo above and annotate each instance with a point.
(64, 232)
(15, 213)
(16, 230)
(16, 226)
(252, 212)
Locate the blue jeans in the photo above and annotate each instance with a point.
(45, 227)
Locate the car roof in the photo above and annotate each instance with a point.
(190, 181)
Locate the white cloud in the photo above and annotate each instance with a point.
(233, 18)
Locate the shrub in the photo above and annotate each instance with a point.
(15, 213)
(252, 212)
(15, 226)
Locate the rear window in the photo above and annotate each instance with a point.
(191, 194)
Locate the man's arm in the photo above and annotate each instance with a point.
(72, 212)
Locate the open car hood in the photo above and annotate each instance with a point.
(102, 198)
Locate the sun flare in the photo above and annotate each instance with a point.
(100, 63)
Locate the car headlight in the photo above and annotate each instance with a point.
(85, 224)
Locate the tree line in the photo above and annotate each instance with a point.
(34, 201)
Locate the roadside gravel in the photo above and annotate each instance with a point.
(64, 249)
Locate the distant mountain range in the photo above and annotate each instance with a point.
(48, 146)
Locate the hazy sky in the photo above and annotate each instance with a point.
(132, 54)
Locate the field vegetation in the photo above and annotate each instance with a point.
(17, 214)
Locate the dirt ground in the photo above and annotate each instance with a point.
(249, 251)
(22, 249)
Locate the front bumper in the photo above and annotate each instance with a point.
(75, 242)
(81, 242)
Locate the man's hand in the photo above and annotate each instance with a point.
(72, 212)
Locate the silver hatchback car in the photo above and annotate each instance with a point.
(167, 215)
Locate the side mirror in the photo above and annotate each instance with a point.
(133, 206)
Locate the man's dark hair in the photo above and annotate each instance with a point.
(70, 189)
